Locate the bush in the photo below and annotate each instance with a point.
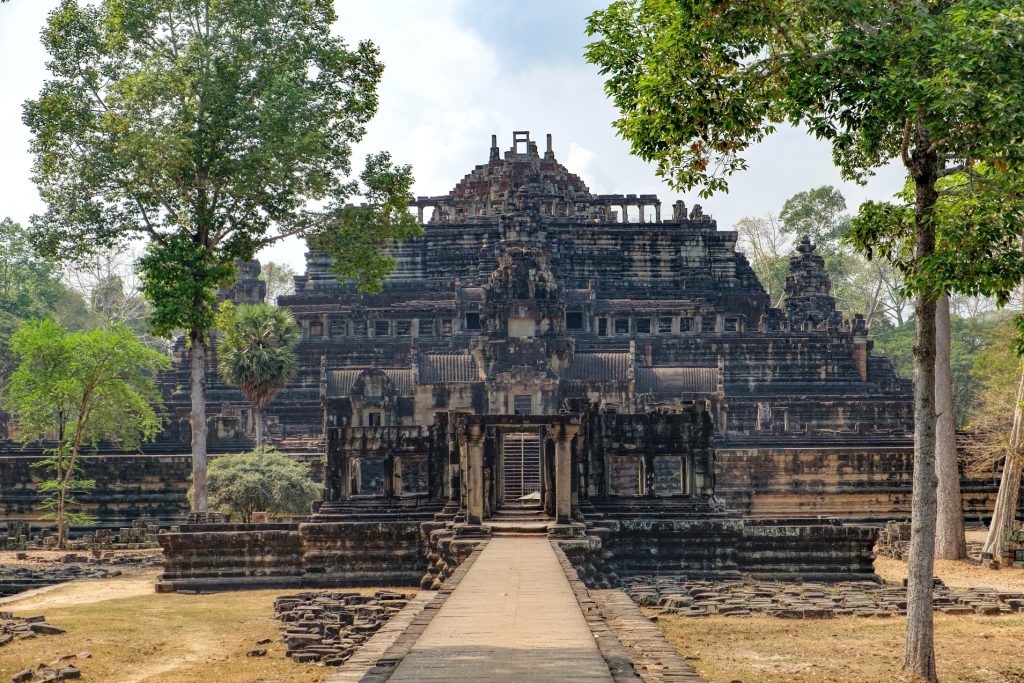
(262, 480)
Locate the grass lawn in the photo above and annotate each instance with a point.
(137, 635)
(759, 649)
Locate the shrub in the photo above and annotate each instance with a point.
(262, 480)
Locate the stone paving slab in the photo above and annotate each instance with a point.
(513, 617)
(654, 658)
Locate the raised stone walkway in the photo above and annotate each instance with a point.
(513, 617)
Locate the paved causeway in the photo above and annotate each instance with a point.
(512, 618)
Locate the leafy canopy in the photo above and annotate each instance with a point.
(100, 383)
(262, 480)
(697, 82)
(77, 389)
(210, 128)
(256, 349)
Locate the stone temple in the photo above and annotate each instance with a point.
(591, 367)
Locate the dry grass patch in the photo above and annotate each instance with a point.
(759, 649)
(137, 635)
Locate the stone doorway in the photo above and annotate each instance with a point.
(521, 465)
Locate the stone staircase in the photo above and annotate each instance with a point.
(519, 520)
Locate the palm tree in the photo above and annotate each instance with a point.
(256, 353)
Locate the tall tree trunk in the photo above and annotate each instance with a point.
(950, 541)
(197, 384)
(919, 656)
(1005, 511)
(257, 415)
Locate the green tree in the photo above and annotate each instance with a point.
(77, 389)
(256, 353)
(210, 129)
(819, 213)
(262, 480)
(280, 279)
(934, 84)
(762, 240)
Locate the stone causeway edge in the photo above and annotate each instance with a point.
(368, 669)
(634, 649)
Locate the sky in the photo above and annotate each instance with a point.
(457, 71)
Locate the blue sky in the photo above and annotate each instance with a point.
(457, 71)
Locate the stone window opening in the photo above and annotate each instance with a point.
(472, 321)
(373, 419)
(686, 324)
(382, 328)
(316, 329)
(359, 328)
(602, 327)
(446, 327)
(574, 320)
(665, 325)
(707, 323)
(403, 328)
(732, 324)
(339, 328)
(426, 328)
(622, 326)
(643, 325)
(522, 404)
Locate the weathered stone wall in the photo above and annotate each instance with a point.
(362, 554)
(232, 556)
(308, 555)
(791, 551)
(127, 486)
(692, 546)
(868, 484)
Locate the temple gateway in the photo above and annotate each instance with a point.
(591, 367)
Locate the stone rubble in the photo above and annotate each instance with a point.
(329, 627)
(42, 571)
(689, 598)
(20, 628)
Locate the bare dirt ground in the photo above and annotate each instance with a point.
(969, 649)
(138, 636)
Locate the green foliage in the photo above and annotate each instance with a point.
(820, 214)
(279, 278)
(256, 350)
(77, 389)
(979, 218)
(973, 341)
(209, 129)
(262, 480)
(997, 370)
(697, 82)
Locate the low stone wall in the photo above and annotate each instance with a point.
(797, 551)
(361, 554)
(128, 486)
(783, 550)
(218, 557)
(693, 546)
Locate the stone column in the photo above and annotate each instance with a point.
(563, 473)
(474, 474)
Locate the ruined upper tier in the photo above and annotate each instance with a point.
(526, 290)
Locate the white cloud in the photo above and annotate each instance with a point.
(448, 84)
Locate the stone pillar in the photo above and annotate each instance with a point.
(419, 213)
(474, 474)
(563, 473)
(657, 213)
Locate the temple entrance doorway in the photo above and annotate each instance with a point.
(521, 467)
